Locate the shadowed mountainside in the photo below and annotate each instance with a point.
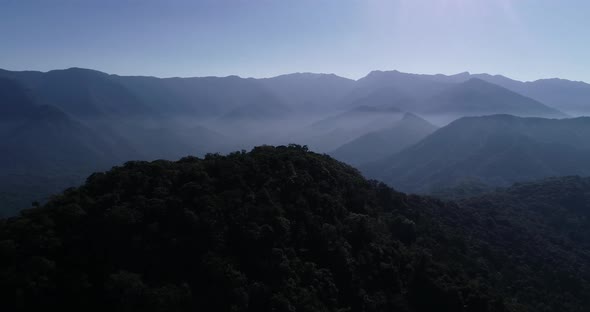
(495, 150)
(281, 228)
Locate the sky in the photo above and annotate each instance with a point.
(522, 39)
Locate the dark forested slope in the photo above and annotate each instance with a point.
(275, 229)
(537, 236)
(43, 149)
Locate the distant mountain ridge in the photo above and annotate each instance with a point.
(479, 97)
(496, 150)
(572, 97)
(381, 143)
(333, 131)
(455, 96)
(107, 119)
(313, 92)
(307, 91)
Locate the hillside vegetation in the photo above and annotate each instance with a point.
(284, 229)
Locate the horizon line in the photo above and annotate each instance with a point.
(297, 73)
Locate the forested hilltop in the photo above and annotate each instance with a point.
(285, 229)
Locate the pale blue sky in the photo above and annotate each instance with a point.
(523, 39)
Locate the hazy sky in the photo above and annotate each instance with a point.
(523, 39)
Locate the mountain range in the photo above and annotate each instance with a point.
(495, 150)
(90, 94)
(281, 228)
(478, 97)
(62, 125)
(378, 144)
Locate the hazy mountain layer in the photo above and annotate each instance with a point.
(331, 132)
(92, 94)
(568, 96)
(310, 92)
(477, 97)
(85, 120)
(571, 97)
(495, 150)
(379, 144)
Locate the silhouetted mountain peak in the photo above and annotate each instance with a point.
(477, 96)
(373, 109)
(562, 83)
(377, 74)
(399, 134)
(78, 72)
(484, 75)
(477, 82)
(413, 121)
(460, 77)
(309, 75)
(411, 116)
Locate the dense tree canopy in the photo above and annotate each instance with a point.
(274, 229)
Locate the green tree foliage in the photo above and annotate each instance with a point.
(274, 229)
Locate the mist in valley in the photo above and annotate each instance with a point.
(63, 125)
